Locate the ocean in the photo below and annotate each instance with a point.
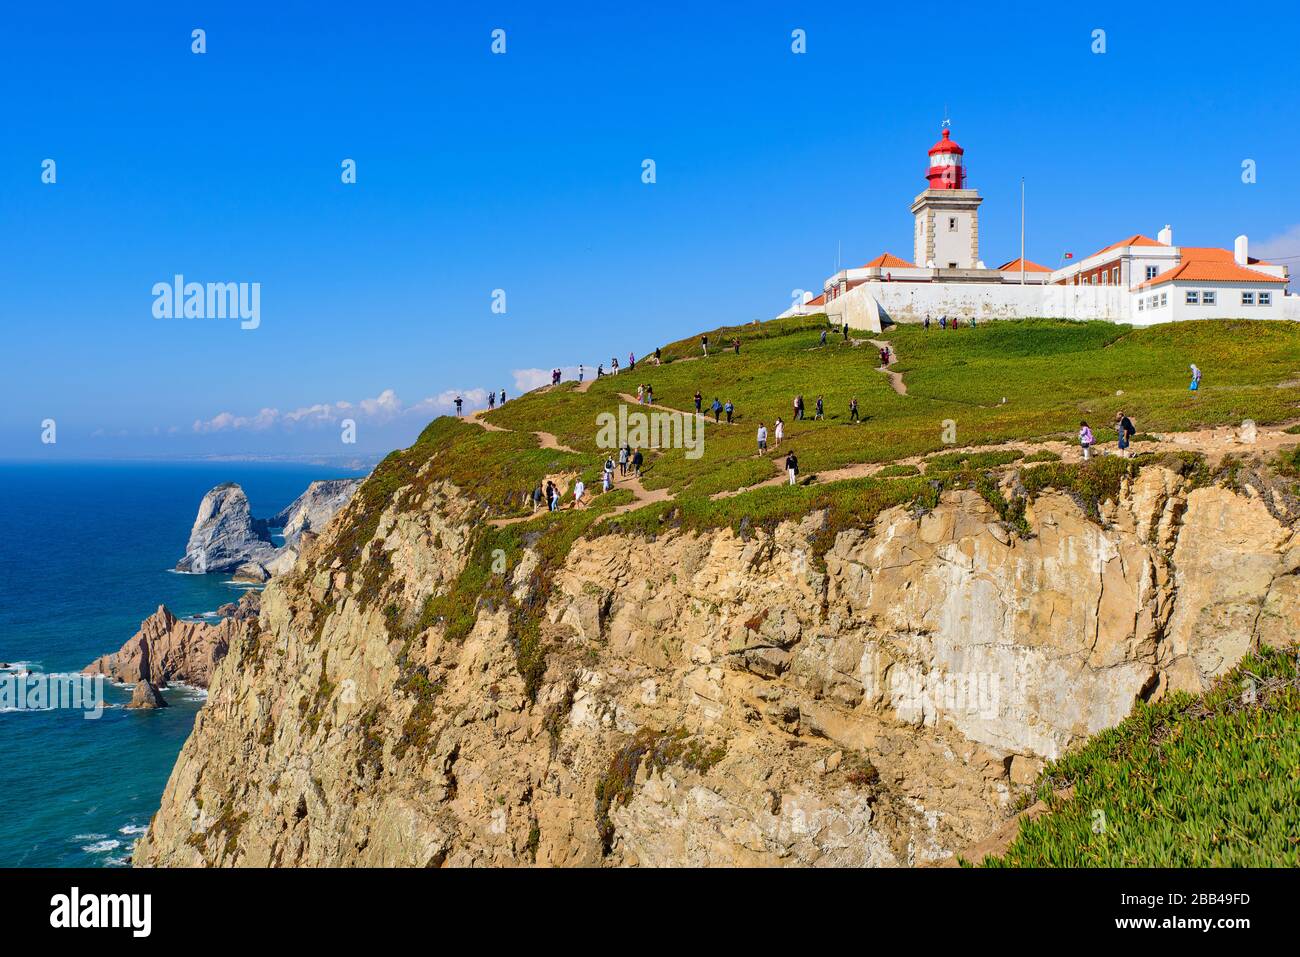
(85, 555)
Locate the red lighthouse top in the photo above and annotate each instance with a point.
(946, 170)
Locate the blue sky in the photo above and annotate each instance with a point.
(522, 172)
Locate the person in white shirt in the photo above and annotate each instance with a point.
(779, 433)
(762, 438)
(609, 473)
(578, 489)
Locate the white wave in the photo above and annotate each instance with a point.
(132, 829)
(102, 847)
(88, 837)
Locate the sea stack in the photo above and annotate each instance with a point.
(145, 697)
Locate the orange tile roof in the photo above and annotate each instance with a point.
(1137, 239)
(819, 301)
(1210, 270)
(888, 261)
(1014, 266)
(1214, 254)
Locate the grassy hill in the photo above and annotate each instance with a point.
(1173, 779)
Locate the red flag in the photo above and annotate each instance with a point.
(1069, 255)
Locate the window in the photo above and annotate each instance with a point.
(952, 224)
(1265, 298)
(952, 265)
(1140, 302)
(1164, 299)
(1248, 299)
(1152, 271)
(1207, 297)
(1193, 297)
(1114, 276)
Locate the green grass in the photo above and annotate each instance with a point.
(1051, 373)
(1205, 781)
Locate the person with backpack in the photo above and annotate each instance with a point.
(1085, 440)
(624, 455)
(729, 408)
(1124, 426)
(608, 482)
(792, 467)
(717, 410)
(1196, 378)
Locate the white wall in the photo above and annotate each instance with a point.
(911, 302)
(1227, 303)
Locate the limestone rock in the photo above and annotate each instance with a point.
(312, 510)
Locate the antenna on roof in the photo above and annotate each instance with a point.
(946, 122)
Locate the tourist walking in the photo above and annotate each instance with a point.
(624, 454)
(608, 474)
(1085, 440)
(735, 345)
(658, 356)
(579, 487)
(792, 467)
(821, 409)
(1196, 378)
(459, 403)
(537, 497)
(640, 394)
(762, 438)
(943, 321)
(631, 361)
(822, 341)
(729, 408)
(1124, 426)
(926, 324)
(600, 370)
(699, 400)
(649, 394)
(845, 327)
(704, 344)
(613, 366)
(853, 409)
(503, 397)
(552, 496)
(717, 409)
(580, 370)
(778, 433)
(637, 459)
(492, 401)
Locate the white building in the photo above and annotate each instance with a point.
(1138, 279)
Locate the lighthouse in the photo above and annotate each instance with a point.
(946, 234)
(946, 170)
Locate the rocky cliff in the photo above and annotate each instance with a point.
(793, 695)
(225, 534)
(168, 649)
(227, 538)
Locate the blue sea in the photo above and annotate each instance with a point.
(85, 555)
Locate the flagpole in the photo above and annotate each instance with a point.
(1022, 230)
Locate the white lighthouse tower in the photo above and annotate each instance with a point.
(946, 234)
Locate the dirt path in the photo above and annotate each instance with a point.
(895, 378)
(548, 440)
(1214, 444)
(631, 399)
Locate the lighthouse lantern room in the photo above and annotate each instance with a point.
(946, 170)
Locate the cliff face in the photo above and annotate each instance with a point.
(710, 698)
(225, 534)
